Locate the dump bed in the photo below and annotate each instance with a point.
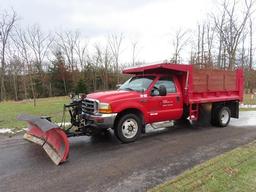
(212, 85)
(200, 85)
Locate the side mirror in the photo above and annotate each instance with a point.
(162, 90)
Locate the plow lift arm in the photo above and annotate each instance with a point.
(48, 135)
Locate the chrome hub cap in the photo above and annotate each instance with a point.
(224, 116)
(129, 128)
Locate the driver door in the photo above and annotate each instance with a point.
(169, 107)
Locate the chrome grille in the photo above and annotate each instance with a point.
(89, 106)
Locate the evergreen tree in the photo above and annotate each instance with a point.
(60, 76)
(81, 87)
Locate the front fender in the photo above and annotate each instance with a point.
(119, 107)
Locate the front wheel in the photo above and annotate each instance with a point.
(128, 128)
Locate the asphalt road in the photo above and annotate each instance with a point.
(103, 164)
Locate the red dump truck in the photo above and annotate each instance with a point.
(156, 94)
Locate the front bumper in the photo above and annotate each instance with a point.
(104, 121)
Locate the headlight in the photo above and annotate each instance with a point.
(105, 108)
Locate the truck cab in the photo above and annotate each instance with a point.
(142, 99)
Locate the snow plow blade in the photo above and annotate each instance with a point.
(48, 135)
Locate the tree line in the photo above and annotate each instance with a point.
(38, 64)
(225, 39)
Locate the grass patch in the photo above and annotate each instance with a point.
(230, 172)
(47, 106)
(247, 109)
(248, 101)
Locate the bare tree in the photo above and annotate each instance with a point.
(68, 42)
(15, 68)
(198, 44)
(179, 42)
(7, 22)
(59, 63)
(230, 28)
(107, 62)
(95, 62)
(251, 44)
(243, 50)
(39, 44)
(251, 78)
(81, 51)
(134, 51)
(210, 36)
(202, 44)
(220, 29)
(115, 42)
(20, 42)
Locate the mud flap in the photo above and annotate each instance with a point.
(48, 135)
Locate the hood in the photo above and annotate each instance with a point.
(110, 96)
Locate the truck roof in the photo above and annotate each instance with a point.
(153, 68)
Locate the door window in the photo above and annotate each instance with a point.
(167, 82)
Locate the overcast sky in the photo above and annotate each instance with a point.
(151, 22)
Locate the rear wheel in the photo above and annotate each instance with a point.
(221, 116)
(128, 128)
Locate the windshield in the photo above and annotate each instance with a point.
(137, 83)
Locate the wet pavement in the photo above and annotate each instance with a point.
(103, 164)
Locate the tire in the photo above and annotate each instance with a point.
(128, 128)
(221, 117)
(213, 118)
